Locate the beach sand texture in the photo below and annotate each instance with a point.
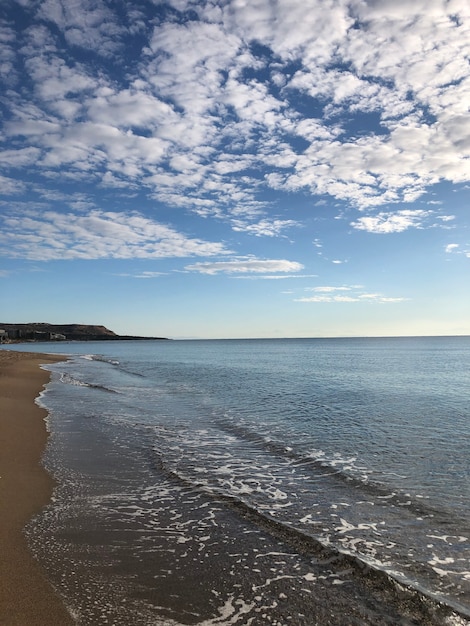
(26, 597)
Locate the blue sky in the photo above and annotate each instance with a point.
(236, 168)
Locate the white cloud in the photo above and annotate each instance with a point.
(145, 275)
(446, 218)
(10, 186)
(329, 289)
(194, 114)
(55, 80)
(455, 248)
(332, 293)
(135, 106)
(187, 61)
(380, 299)
(96, 235)
(275, 277)
(89, 24)
(265, 227)
(257, 266)
(392, 222)
(292, 29)
(19, 158)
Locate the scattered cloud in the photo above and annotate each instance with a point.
(455, 248)
(329, 289)
(208, 108)
(144, 275)
(96, 235)
(392, 222)
(276, 276)
(89, 24)
(446, 218)
(10, 186)
(256, 266)
(265, 227)
(353, 293)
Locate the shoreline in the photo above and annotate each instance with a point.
(26, 596)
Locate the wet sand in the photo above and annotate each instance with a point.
(26, 597)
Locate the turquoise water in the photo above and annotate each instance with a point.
(250, 482)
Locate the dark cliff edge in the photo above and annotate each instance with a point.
(41, 331)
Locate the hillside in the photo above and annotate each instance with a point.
(41, 331)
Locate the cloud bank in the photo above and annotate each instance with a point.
(96, 235)
(211, 107)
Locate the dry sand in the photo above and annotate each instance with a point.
(26, 597)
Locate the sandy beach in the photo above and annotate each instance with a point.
(26, 597)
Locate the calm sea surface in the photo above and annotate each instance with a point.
(313, 481)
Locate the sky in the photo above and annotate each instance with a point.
(236, 168)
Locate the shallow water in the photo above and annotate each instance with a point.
(260, 481)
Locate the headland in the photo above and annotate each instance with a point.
(43, 331)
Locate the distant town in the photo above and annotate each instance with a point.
(41, 331)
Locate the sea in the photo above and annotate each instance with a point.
(259, 482)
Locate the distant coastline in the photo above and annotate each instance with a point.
(43, 331)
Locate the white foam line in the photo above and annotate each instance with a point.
(269, 581)
(264, 554)
(447, 537)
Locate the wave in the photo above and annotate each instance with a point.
(361, 571)
(115, 363)
(99, 357)
(68, 379)
(338, 470)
